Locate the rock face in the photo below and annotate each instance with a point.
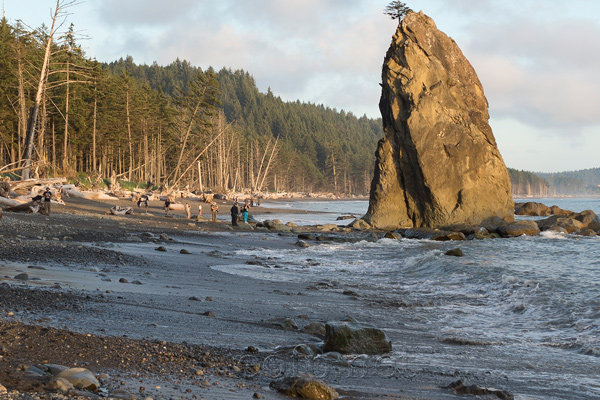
(438, 163)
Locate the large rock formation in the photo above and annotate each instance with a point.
(438, 163)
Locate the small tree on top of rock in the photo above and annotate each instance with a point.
(396, 10)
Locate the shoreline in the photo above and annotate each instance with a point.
(95, 277)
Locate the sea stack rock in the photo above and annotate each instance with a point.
(438, 163)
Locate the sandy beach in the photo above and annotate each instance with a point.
(167, 323)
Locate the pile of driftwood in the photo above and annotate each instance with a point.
(26, 196)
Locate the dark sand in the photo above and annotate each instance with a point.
(165, 324)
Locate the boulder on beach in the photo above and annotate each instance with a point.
(355, 338)
(438, 163)
(589, 219)
(533, 209)
(573, 223)
(275, 225)
(360, 224)
(431, 234)
(556, 210)
(80, 378)
(305, 387)
(570, 225)
(529, 228)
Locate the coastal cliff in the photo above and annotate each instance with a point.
(438, 163)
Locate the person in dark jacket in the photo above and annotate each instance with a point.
(47, 195)
(235, 211)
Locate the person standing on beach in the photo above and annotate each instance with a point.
(166, 207)
(199, 211)
(235, 211)
(47, 195)
(214, 209)
(188, 210)
(142, 199)
(245, 210)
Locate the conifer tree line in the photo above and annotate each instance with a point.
(176, 125)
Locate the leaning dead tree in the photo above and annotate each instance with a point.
(58, 18)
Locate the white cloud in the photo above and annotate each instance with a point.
(541, 74)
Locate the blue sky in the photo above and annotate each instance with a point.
(537, 59)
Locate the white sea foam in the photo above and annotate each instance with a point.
(554, 235)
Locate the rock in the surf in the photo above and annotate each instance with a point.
(438, 163)
(355, 338)
(529, 228)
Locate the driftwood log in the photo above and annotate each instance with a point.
(8, 202)
(26, 184)
(31, 207)
(117, 210)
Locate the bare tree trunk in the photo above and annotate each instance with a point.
(334, 174)
(200, 177)
(262, 163)
(200, 154)
(130, 176)
(186, 136)
(41, 150)
(95, 119)
(53, 148)
(158, 157)
(38, 97)
(65, 161)
(269, 163)
(22, 104)
(146, 157)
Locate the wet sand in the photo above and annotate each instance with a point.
(117, 286)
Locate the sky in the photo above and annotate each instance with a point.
(537, 60)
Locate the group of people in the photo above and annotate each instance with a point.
(237, 214)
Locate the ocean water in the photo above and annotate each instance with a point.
(318, 211)
(521, 312)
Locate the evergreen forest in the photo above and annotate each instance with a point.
(63, 114)
(543, 184)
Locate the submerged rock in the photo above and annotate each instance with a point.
(461, 388)
(438, 163)
(454, 252)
